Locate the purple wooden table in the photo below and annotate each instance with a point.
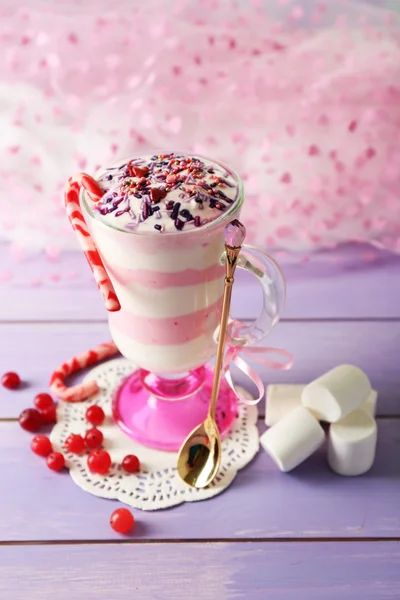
(306, 535)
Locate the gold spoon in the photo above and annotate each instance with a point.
(200, 454)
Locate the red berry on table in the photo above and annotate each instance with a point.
(131, 463)
(43, 401)
(75, 443)
(41, 445)
(94, 438)
(122, 520)
(55, 461)
(10, 380)
(30, 419)
(95, 415)
(99, 461)
(49, 414)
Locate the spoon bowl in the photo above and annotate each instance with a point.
(200, 455)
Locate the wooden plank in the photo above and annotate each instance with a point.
(35, 350)
(330, 286)
(310, 502)
(226, 570)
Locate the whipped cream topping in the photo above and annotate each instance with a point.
(164, 193)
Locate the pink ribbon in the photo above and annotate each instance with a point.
(235, 355)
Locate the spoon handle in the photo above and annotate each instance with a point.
(231, 260)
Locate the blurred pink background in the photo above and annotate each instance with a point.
(302, 98)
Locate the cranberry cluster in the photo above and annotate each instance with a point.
(98, 461)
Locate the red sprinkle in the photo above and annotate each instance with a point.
(10, 380)
(140, 171)
(157, 194)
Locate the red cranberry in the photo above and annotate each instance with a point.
(99, 462)
(43, 401)
(41, 445)
(94, 438)
(122, 520)
(30, 419)
(75, 443)
(10, 380)
(49, 414)
(55, 461)
(131, 463)
(95, 415)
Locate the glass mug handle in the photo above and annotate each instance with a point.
(272, 281)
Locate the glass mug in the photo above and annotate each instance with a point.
(170, 289)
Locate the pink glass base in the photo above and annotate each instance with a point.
(160, 413)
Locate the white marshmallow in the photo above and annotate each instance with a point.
(293, 439)
(352, 444)
(282, 398)
(337, 393)
(369, 405)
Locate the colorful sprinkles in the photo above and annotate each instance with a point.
(142, 190)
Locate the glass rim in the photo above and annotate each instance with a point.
(233, 208)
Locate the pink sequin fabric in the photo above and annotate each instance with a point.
(302, 98)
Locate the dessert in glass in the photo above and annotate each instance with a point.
(159, 230)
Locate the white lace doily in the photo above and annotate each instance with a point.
(158, 484)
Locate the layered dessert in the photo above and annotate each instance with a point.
(159, 230)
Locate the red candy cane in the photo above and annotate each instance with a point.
(78, 223)
(80, 392)
(91, 186)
